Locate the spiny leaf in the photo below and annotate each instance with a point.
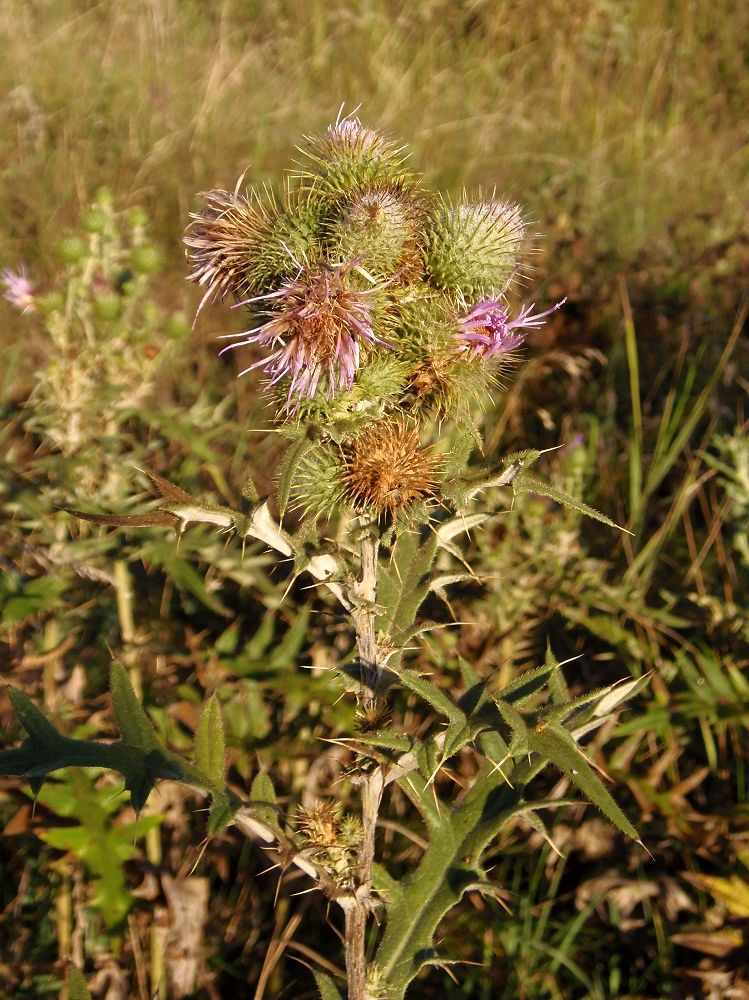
(39, 728)
(168, 490)
(386, 740)
(221, 812)
(431, 694)
(263, 800)
(210, 747)
(132, 721)
(527, 684)
(404, 584)
(293, 455)
(553, 742)
(262, 790)
(158, 519)
(526, 482)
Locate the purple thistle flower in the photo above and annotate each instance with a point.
(316, 327)
(487, 330)
(18, 289)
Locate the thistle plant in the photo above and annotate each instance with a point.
(380, 317)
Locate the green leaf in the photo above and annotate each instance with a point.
(263, 801)
(77, 989)
(293, 455)
(554, 743)
(328, 989)
(530, 682)
(526, 482)
(431, 694)
(39, 728)
(210, 746)
(449, 867)
(132, 721)
(262, 790)
(403, 584)
(221, 812)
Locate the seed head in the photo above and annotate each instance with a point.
(372, 716)
(386, 470)
(488, 332)
(316, 327)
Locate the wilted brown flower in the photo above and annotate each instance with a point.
(386, 469)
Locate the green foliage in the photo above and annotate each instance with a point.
(21, 599)
(460, 834)
(138, 757)
(326, 986)
(77, 989)
(102, 846)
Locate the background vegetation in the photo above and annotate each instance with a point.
(622, 129)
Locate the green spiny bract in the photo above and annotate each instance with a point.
(349, 157)
(473, 250)
(380, 226)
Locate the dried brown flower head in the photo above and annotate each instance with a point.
(372, 716)
(386, 469)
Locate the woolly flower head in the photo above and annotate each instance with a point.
(19, 291)
(488, 332)
(315, 327)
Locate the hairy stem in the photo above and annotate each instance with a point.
(364, 617)
(359, 904)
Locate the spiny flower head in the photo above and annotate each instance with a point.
(488, 332)
(349, 156)
(244, 246)
(19, 291)
(219, 242)
(320, 824)
(349, 135)
(474, 249)
(381, 224)
(316, 328)
(386, 469)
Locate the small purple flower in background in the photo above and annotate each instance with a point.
(487, 330)
(317, 326)
(18, 290)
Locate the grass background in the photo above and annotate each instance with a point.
(622, 128)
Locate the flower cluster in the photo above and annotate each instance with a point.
(370, 300)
